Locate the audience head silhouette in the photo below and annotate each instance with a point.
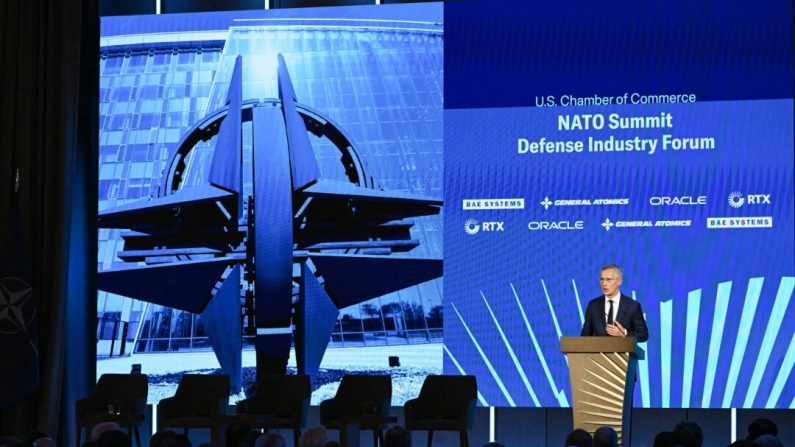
(664, 439)
(44, 441)
(314, 437)
(761, 426)
(270, 439)
(579, 438)
(605, 437)
(167, 438)
(102, 427)
(688, 434)
(397, 436)
(113, 438)
(767, 441)
(32, 436)
(235, 433)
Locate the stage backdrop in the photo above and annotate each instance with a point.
(659, 138)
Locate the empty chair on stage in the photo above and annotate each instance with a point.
(445, 403)
(362, 402)
(199, 398)
(284, 399)
(119, 398)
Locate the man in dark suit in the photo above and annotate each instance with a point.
(614, 313)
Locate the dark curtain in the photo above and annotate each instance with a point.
(48, 118)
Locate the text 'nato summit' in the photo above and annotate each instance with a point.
(594, 123)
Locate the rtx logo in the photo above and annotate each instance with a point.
(738, 200)
(493, 226)
(472, 226)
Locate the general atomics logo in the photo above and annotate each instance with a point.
(736, 199)
(607, 224)
(471, 226)
(546, 203)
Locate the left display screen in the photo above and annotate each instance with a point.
(287, 151)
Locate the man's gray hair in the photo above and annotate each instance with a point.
(614, 267)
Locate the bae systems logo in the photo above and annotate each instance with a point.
(546, 203)
(677, 200)
(472, 226)
(737, 200)
(608, 224)
(493, 204)
(555, 225)
(740, 222)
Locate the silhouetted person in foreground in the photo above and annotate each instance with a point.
(102, 427)
(397, 436)
(44, 441)
(688, 434)
(249, 439)
(767, 441)
(270, 439)
(664, 439)
(157, 439)
(605, 437)
(113, 438)
(167, 438)
(579, 438)
(761, 426)
(31, 437)
(234, 433)
(314, 437)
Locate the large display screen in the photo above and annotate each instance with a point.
(307, 139)
(658, 138)
(333, 158)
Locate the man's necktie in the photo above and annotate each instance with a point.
(610, 312)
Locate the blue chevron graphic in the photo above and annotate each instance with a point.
(754, 376)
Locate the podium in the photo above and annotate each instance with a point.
(602, 371)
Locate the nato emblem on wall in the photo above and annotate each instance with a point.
(286, 253)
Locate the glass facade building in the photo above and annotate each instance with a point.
(380, 81)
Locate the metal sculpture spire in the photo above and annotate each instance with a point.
(288, 256)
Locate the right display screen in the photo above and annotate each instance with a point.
(658, 138)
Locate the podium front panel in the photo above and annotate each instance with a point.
(602, 371)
